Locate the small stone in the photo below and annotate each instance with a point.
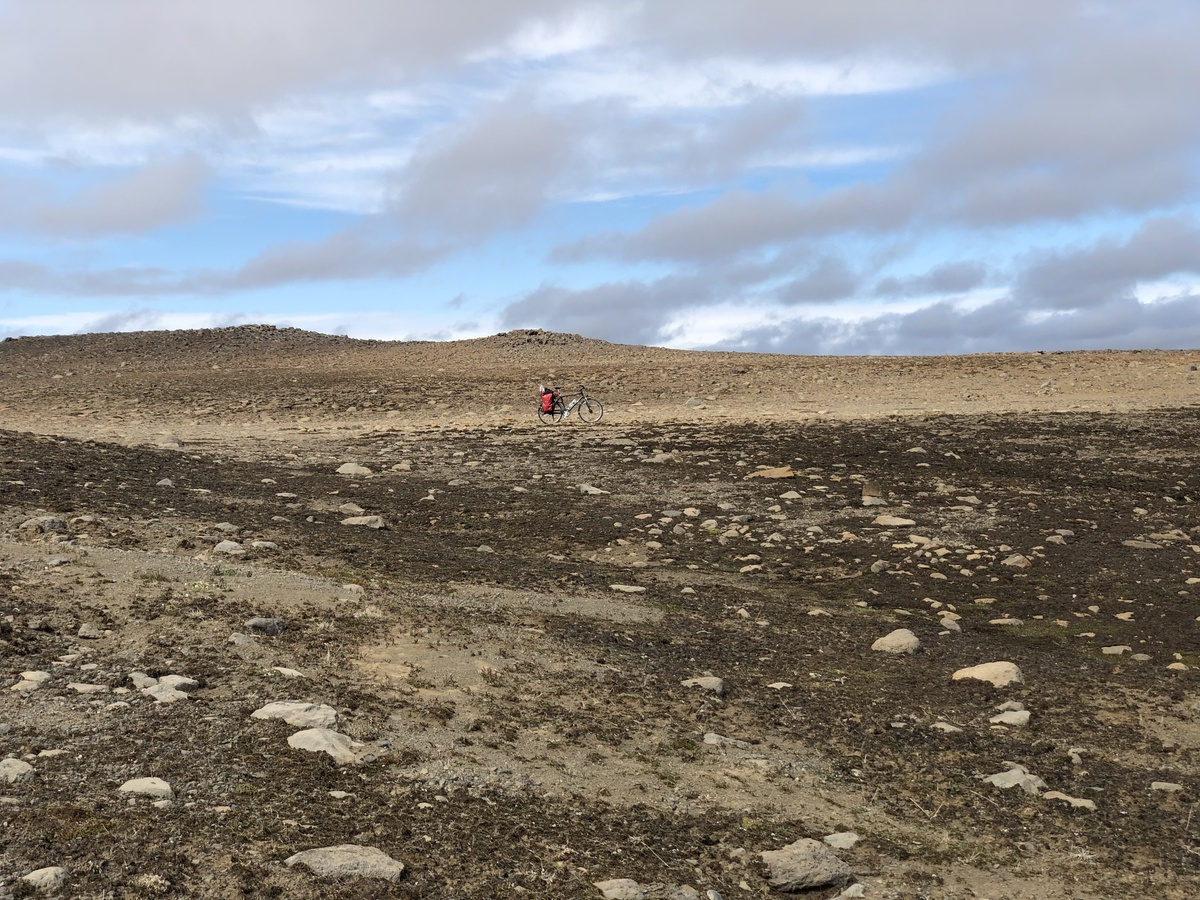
(89, 632)
(803, 865)
(1017, 561)
(842, 840)
(893, 521)
(150, 787)
(899, 641)
(348, 861)
(375, 522)
(353, 469)
(1016, 776)
(322, 740)
(15, 770)
(299, 713)
(999, 674)
(627, 588)
(166, 482)
(264, 545)
(777, 472)
(620, 889)
(48, 880)
(79, 688)
(1016, 718)
(286, 672)
(351, 509)
(947, 728)
(1116, 650)
(165, 693)
(707, 682)
(1168, 786)
(229, 548)
(1074, 801)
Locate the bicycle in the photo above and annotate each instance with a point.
(590, 409)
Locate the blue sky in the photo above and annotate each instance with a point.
(858, 177)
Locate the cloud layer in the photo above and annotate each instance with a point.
(864, 177)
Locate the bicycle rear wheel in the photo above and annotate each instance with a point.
(549, 418)
(591, 410)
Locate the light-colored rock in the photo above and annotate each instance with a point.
(164, 693)
(375, 522)
(946, 727)
(1075, 802)
(899, 641)
(776, 472)
(264, 545)
(1116, 650)
(348, 861)
(299, 713)
(1015, 717)
(1016, 776)
(591, 490)
(707, 682)
(149, 787)
(30, 681)
(999, 674)
(842, 840)
(803, 865)
(229, 548)
(14, 770)
(1017, 561)
(353, 469)
(892, 521)
(351, 509)
(286, 672)
(322, 740)
(83, 688)
(627, 588)
(1169, 787)
(48, 880)
(620, 889)
(89, 632)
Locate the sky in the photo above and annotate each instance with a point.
(859, 177)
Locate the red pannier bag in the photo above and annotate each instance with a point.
(548, 401)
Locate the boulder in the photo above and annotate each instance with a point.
(299, 713)
(998, 674)
(804, 865)
(899, 641)
(348, 861)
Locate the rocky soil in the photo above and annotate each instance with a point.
(291, 615)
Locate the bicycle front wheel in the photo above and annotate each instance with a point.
(550, 418)
(591, 410)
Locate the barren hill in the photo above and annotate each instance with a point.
(273, 601)
(260, 379)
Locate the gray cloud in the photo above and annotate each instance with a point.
(474, 178)
(352, 254)
(163, 193)
(943, 328)
(1111, 270)
(828, 280)
(947, 278)
(141, 58)
(968, 34)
